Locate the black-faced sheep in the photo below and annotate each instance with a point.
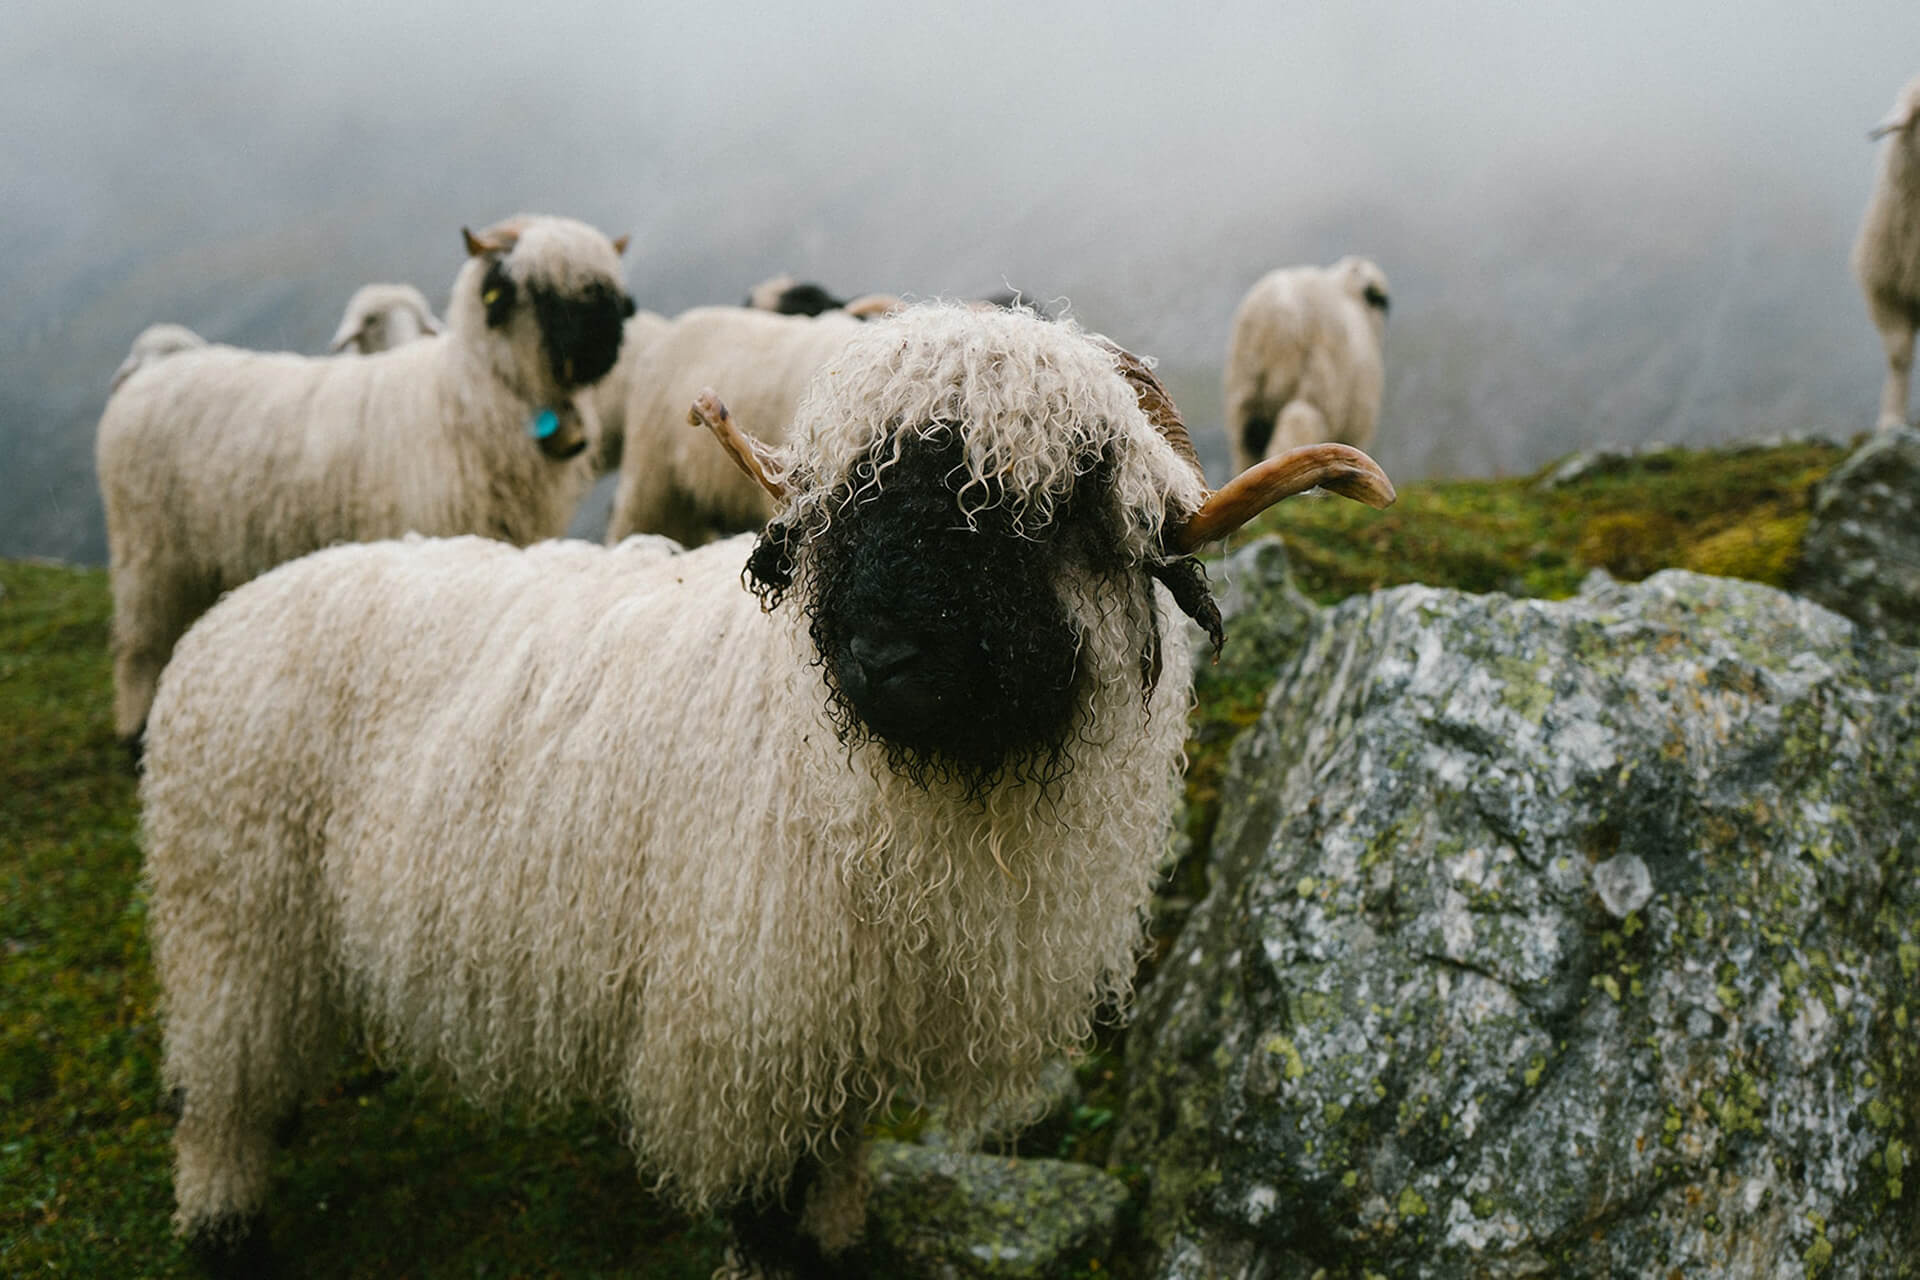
(1307, 359)
(1886, 256)
(585, 823)
(216, 464)
(380, 317)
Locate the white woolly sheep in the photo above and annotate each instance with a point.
(1886, 256)
(674, 482)
(1306, 361)
(155, 342)
(379, 317)
(584, 823)
(216, 464)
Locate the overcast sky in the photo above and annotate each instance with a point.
(1629, 218)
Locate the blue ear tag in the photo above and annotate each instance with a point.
(544, 424)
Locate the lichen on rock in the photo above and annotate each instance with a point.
(1404, 1032)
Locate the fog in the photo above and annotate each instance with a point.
(1602, 223)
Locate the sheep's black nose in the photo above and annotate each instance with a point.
(883, 659)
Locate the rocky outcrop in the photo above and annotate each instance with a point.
(1861, 553)
(945, 1215)
(1578, 938)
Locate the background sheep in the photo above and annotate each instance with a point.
(1886, 256)
(673, 481)
(1306, 361)
(578, 823)
(216, 464)
(153, 343)
(380, 317)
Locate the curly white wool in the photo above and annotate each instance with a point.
(1306, 362)
(1886, 255)
(571, 823)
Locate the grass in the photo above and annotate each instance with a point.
(402, 1180)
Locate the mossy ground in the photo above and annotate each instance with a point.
(403, 1181)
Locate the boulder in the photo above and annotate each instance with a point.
(947, 1215)
(1576, 938)
(1861, 552)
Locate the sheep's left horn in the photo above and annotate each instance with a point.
(747, 453)
(1338, 468)
(1156, 403)
(869, 305)
(499, 238)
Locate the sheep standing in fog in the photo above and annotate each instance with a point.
(155, 342)
(1307, 359)
(380, 317)
(598, 824)
(672, 481)
(216, 464)
(1886, 256)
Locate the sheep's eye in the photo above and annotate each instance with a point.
(1376, 297)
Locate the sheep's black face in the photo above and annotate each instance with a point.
(946, 642)
(581, 329)
(806, 300)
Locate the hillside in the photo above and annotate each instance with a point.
(83, 1140)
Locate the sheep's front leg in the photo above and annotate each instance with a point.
(1896, 325)
(805, 1232)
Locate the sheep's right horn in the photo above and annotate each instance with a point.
(749, 454)
(1337, 468)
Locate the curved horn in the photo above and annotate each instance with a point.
(1337, 468)
(498, 238)
(749, 454)
(1156, 403)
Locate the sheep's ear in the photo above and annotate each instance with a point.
(620, 245)
(770, 566)
(497, 294)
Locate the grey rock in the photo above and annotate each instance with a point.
(1402, 1034)
(1861, 552)
(943, 1215)
(1623, 883)
(1599, 461)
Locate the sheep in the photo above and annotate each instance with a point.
(1886, 256)
(584, 823)
(1306, 362)
(216, 464)
(380, 317)
(671, 481)
(784, 295)
(154, 342)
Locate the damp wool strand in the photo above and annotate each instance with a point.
(1886, 254)
(672, 480)
(1306, 360)
(580, 823)
(216, 464)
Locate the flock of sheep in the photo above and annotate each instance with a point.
(731, 835)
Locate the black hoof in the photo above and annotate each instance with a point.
(232, 1247)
